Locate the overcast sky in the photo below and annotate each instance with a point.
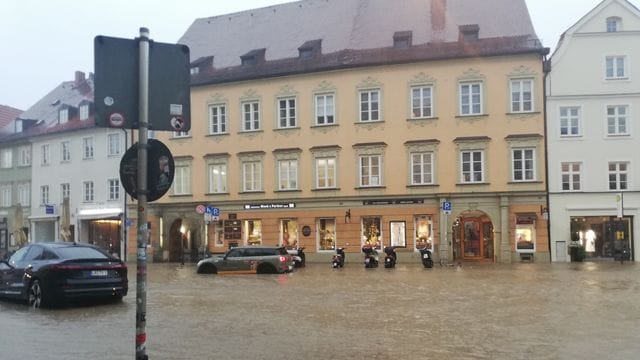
(45, 41)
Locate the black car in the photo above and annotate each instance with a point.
(46, 274)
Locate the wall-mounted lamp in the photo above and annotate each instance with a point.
(347, 216)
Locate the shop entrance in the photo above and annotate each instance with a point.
(183, 242)
(473, 237)
(603, 237)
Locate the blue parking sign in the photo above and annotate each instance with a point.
(446, 207)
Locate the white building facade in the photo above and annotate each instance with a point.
(593, 132)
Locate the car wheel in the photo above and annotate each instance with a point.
(207, 269)
(265, 268)
(36, 295)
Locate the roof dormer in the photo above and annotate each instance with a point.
(253, 57)
(63, 114)
(469, 33)
(402, 39)
(310, 49)
(201, 65)
(84, 109)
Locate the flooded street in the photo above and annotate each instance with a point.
(519, 311)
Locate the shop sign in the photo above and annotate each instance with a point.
(393, 202)
(269, 206)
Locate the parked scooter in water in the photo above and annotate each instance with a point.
(425, 255)
(390, 258)
(337, 260)
(370, 256)
(299, 258)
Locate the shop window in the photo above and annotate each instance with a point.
(423, 232)
(252, 231)
(602, 236)
(327, 234)
(289, 233)
(525, 233)
(371, 234)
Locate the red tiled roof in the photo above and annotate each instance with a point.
(7, 115)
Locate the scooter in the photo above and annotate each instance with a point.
(425, 255)
(370, 256)
(390, 258)
(337, 260)
(298, 257)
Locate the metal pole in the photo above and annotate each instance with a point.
(143, 229)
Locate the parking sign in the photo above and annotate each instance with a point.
(446, 207)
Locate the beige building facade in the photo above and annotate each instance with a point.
(420, 145)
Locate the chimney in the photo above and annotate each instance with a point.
(79, 80)
(438, 14)
(468, 32)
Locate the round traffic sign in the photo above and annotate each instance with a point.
(200, 209)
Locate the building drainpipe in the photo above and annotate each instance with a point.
(125, 242)
(546, 68)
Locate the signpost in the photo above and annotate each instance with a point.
(143, 85)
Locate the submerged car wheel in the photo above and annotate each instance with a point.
(266, 268)
(207, 269)
(36, 295)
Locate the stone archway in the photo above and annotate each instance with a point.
(474, 237)
(176, 241)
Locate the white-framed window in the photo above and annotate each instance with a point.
(618, 175)
(521, 95)
(617, 120)
(84, 111)
(24, 192)
(89, 193)
(369, 105)
(326, 172)
(181, 134)
(63, 115)
(218, 178)
(251, 176)
(65, 190)
(325, 109)
(470, 98)
(182, 179)
(65, 149)
(421, 168)
(524, 164)
(421, 101)
(288, 174)
(370, 170)
(472, 166)
(570, 124)
(113, 141)
(614, 24)
(44, 194)
(615, 67)
(6, 158)
(571, 176)
(114, 189)
(251, 116)
(326, 234)
(5, 195)
(87, 148)
(24, 155)
(217, 119)
(287, 113)
(46, 154)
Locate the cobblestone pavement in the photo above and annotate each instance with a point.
(518, 311)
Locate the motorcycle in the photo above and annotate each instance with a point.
(425, 256)
(370, 256)
(337, 260)
(298, 257)
(390, 258)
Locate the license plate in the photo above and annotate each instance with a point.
(425, 256)
(99, 272)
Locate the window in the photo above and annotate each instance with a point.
(525, 234)
(114, 189)
(24, 190)
(370, 167)
(217, 119)
(65, 190)
(421, 168)
(421, 102)
(44, 194)
(288, 174)
(218, 178)
(87, 148)
(252, 231)
(326, 173)
(471, 98)
(570, 121)
(182, 180)
(251, 176)
(289, 233)
(326, 234)
(523, 164)
(6, 158)
(63, 115)
(180, 134)
(522, 95)
(371, 232)
(251, 116)
(24, 156)
(65, 149)
(617, 120)
(44, 150)
(84, 111)
(615, 67)
(113, 141)
(613, 24)
(369, 105)
(88, 191)
(618, 175)
(325, 109)
(5, 195)
(472, 166)
(571, 177)
(423, 232)
(287, 113)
